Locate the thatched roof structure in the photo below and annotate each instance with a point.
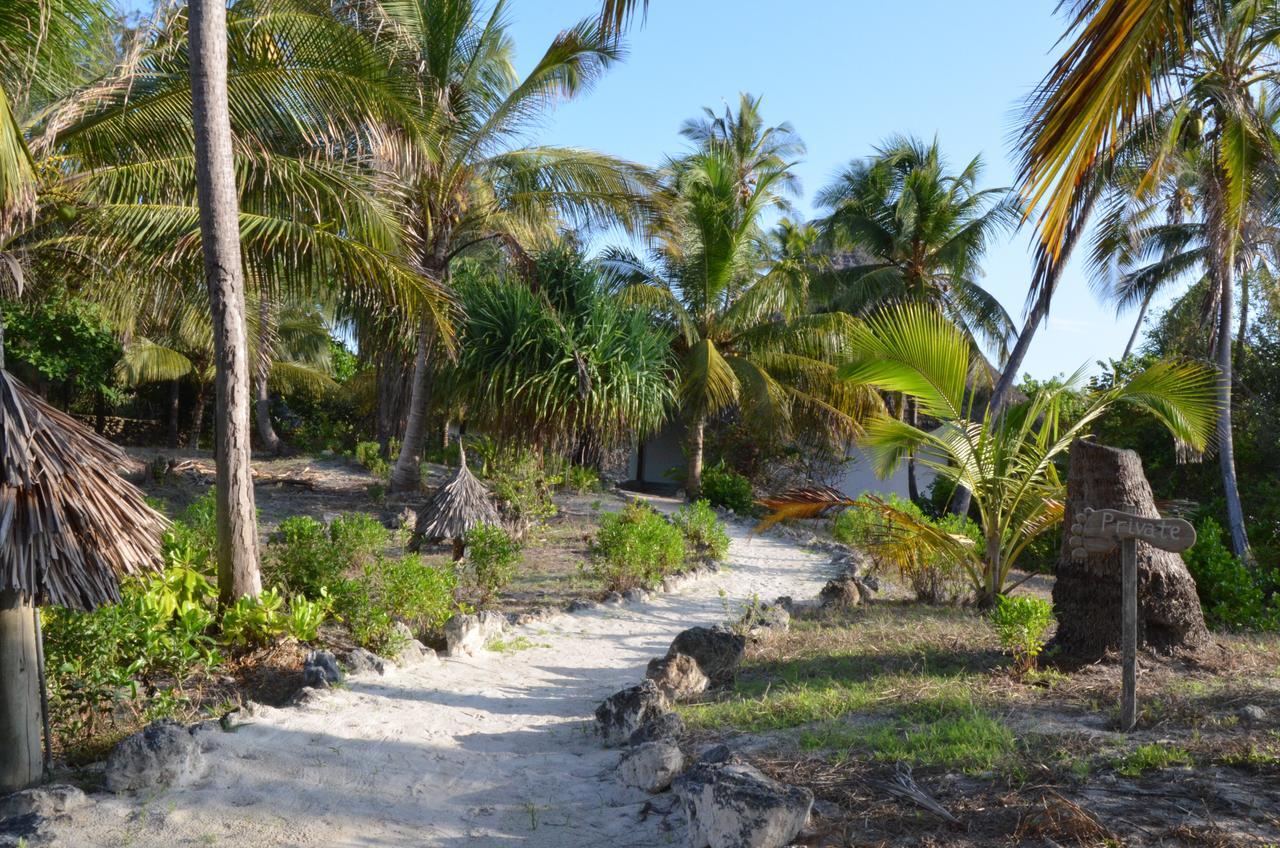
(456, 507)
(70, 525)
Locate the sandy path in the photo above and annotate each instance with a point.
(493, 751)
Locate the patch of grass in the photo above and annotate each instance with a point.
(1151, 757)
(1255, 756)
(511, 646)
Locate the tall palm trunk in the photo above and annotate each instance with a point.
(697, 433)
(1222, 243)
(238, 574)
(175, 407)
(21, 763)
(197, 417)
(1137, 327)
(262, 373)
(407, 474)
(911, 417)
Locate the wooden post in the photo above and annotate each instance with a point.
(21, 764)
(1129, 634)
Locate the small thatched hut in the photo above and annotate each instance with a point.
(70, 526)
(455, 508)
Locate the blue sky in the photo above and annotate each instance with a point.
(847, 74)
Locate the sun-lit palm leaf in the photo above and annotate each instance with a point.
(145, 361)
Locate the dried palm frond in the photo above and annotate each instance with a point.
(456, 507)
(70, 525)
(809, 501)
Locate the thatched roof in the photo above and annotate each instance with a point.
(456, 507)
(70, 525)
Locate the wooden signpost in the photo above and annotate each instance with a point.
(1097, 531)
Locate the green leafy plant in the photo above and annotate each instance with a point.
(1020, 622)
(301, 558)
(305, 616)
(396, 589)
(369, 454)
(358, 538)
(492, 557)
(522, 489)
(704, 534)
(1233, 596)
(636, 547)
(255, 621)
(581, 480)
(722, 486)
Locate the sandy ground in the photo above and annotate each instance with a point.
(492, 751)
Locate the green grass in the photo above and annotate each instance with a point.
(947, 732)
(511, 646)
(1150, 757)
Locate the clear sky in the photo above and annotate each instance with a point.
(847, 74)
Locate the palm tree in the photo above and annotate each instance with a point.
(1196, 65)
(557, 361)
(743, 338)
(453, 155)
(1006, 459)
(922, 233)
(113, 200)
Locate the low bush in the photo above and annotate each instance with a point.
(492, 557)
(581, 480)
(704, 534)
(1233, 596)
(933, 576)
(395, 589)
(358, 538)
(523, 491)
(1021, 622)
(722, 486)
(300, 558)
(251, 622)
(636, 547)
(369, 454)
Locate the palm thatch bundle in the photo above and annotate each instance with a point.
(70, 525)
(455, 508)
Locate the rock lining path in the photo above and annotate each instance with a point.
(484, 752)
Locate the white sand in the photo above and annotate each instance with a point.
(492, 751)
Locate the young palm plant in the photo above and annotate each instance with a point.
(1198, 64)
(1008, 459)
(742, 335)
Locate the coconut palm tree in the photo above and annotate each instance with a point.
(921, 233)
(1197, 65)
(111, 182)
(455, 158)
(742, 335)
(1006, 458)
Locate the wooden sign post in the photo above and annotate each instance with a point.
(1098, 531)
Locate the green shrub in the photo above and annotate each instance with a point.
(305, 616)
(704, 535)
(581, 480)
(358, 538)
(369, 454)
(301, 558)
(934, 577)
(722, 486)
(1233, 596)
(389, 590)
(1020, 623)
(196, 532)
(522, 489)
(635, 547)
(492, 556)
(256, 621)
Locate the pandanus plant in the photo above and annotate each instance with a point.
(1008, 460)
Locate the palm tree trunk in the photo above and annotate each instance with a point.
(175, 406)
(697, 432)
(238, 574)
(407, 474)
(912, 418)
(197, 417)
(1244, 314)
(21, 763)
(1226, 441)
(1137, 327)
(262, 373)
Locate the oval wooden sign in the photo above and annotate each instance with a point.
(1100, 530)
